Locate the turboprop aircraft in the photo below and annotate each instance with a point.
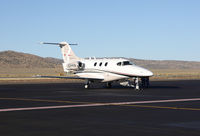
(102, 70)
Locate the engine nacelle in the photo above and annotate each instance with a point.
(73, 66)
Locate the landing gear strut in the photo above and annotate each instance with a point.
(87, 85)
(137, 86)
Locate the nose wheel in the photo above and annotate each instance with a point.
(86, 86)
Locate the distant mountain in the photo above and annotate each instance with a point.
(12, 59)
(167, 64)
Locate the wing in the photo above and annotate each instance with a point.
(75, 77)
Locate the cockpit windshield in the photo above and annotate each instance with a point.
(124, 63)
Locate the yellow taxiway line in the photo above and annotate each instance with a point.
(164, 107)
(42, 100)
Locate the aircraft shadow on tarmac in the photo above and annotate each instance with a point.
(164, 87)
(81, 86)
(125, 87)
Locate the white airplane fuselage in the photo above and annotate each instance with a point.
(108, 70)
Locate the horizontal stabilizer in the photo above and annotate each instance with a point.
(61, 43)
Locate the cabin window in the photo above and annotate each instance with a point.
(106, 63)
(100, 64)
(119, 64)
(95, 63)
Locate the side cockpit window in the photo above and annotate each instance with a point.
(95, 63)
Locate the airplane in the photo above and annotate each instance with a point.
(106, 70)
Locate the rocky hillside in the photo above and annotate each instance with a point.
(12, 59)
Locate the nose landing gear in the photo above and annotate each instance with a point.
(144, 83)
(137, 85)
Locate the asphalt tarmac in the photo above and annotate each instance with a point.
(67, 109)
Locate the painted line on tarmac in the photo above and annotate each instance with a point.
(98, 104)
(43, 100)
(164, 107)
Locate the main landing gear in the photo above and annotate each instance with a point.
(87, 85)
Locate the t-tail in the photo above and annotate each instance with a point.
(72, 63)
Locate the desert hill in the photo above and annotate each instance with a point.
(12, 59)
(166, 64)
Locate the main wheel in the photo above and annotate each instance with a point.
(86, 86)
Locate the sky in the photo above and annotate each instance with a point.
(142, 29)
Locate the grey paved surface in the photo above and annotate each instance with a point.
(173, 118)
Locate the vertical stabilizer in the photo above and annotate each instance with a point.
(67, 53)
(71, 61)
